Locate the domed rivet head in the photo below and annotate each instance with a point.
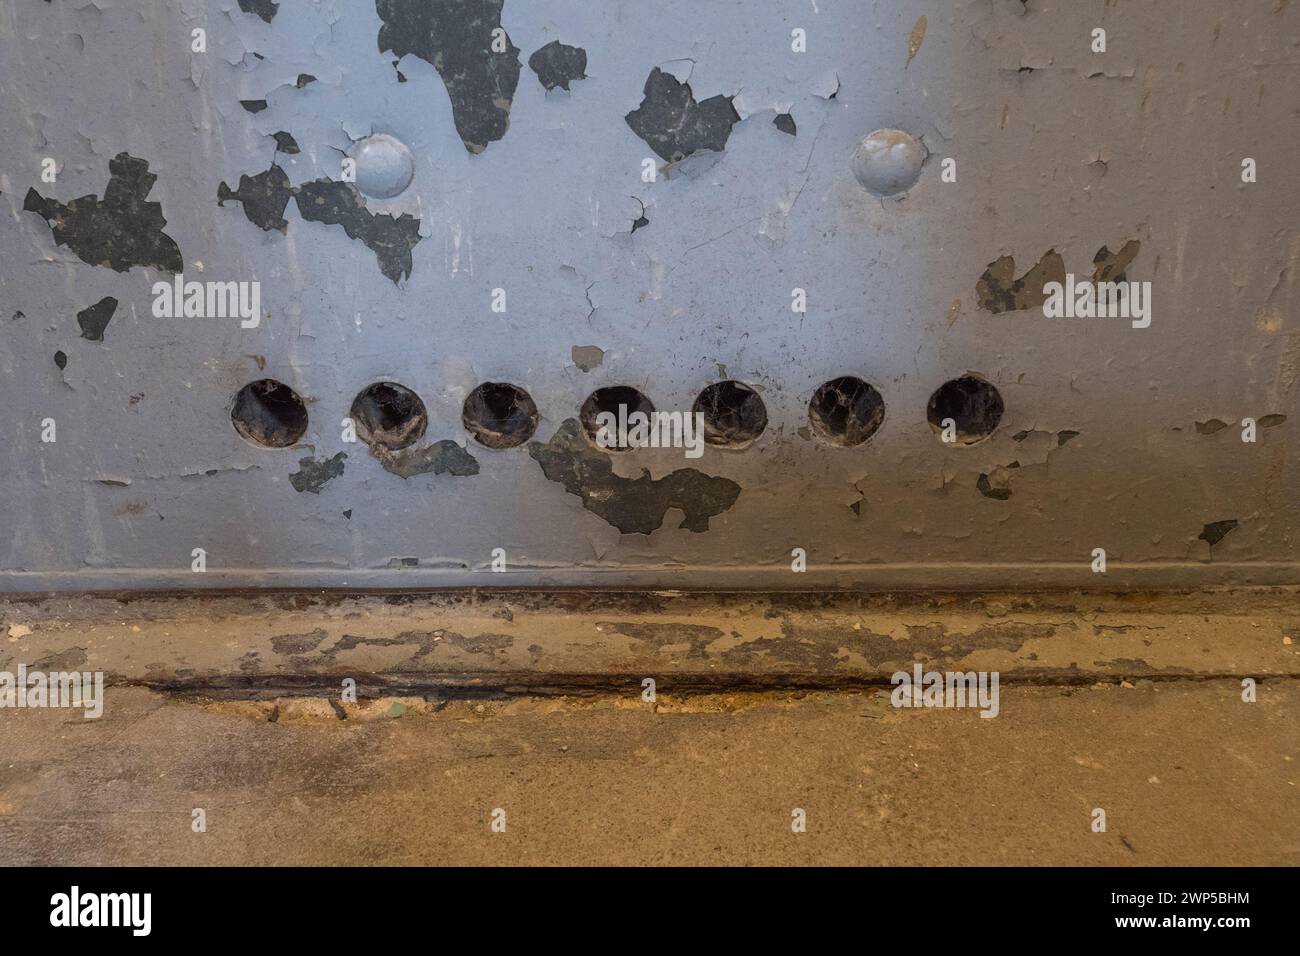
(385, 167)
(888, 161)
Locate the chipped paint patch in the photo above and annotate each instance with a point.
(697, 637)
(391, 238)
(266, 9)
(995, 485)
(119, 231)
(632, 505)
(674, 125)
(285, 143)
(998, 290)
(558, 65)
(1216, 531)
(915, 39)
(264, 196)
(1112, 266)
(313, 473)
(587, 357)
(298, 643)
(94, 319)
(442, 457)
(466, 44)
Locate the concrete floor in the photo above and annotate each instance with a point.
(1186, 771)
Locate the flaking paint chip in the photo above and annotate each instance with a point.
(915, 39)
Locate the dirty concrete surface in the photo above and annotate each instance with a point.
(1187, 773)
(396, 642)
(1128, 703)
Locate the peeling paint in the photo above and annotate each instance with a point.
(313, 474)
(119, 231)
(264, 196)
(999, 291)
(996, 486)
(457, 38)
(696, 637)
(674, 125)
(94, 319)
(441, 457)
(632, 505)
(285, 143)
(1216, 531)
(298, 643)
(558, 65)
(423, 643)
(640, 222)
(391, 238)
(827, 85)
(266, 9)
(1112, 266)
(587, 357)
(1062, 437)
(915, 39)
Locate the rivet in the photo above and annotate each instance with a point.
(888, 161)
(385, 167)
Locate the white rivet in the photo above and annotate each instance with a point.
(385, 167)
(888, 161)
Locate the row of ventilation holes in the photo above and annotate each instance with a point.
(845, 411)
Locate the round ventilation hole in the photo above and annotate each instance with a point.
(846, 411)
(388, 415)
(500, 415)
(269, 414)
(620, 402)
(734, 415)
(969, 406)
